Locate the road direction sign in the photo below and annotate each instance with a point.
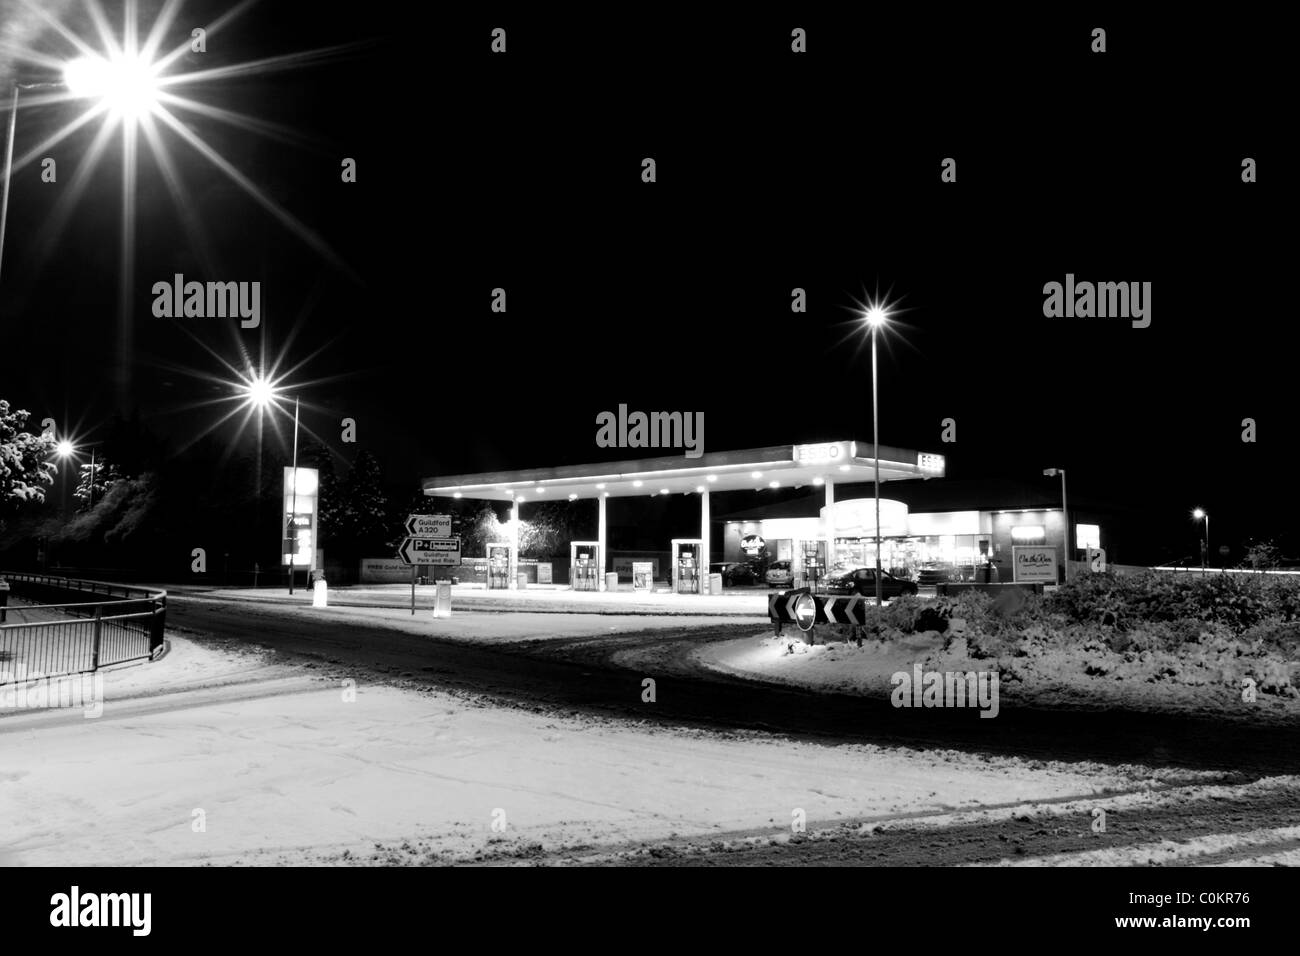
(429, 526)
(430, 551)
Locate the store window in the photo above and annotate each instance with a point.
(1087, 535)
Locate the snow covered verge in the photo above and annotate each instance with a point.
(1215, 645)
(1078, 666)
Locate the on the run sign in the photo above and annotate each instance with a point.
(1030, 564)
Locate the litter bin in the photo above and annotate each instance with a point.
(611, 581)
(522, 579)
(715, 583)
(320, 592)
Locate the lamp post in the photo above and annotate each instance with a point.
(1199, 515)
(876, 317)
(124, 83)
(9, 153)
(65, 450)
(1065, 514)
(293, 499)
(261, 393)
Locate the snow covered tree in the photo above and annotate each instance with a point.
(106, 475)
(363, 511)
(25, 466)
(329, 500)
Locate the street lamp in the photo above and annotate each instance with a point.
(876, 318)
(262, 394)
(66, 449)
(125, 84)
(1199, 514)
(1065, 514)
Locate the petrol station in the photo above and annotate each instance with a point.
(822, 465)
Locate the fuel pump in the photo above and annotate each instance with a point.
(813, 568)
(498, 566)
(584, 565)
(686, 565)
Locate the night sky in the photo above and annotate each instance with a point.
(774, 171)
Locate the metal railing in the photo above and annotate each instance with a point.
(72, 626)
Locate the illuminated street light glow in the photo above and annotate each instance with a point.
(125, 82)
(1198, 514)
(65, 449)
(876, 316)
(260, 390)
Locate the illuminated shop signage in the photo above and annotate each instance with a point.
(1033, 564)
(824, 453)
(856, 517)
(299, 518)
(932, 464)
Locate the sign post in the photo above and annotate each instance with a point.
(430, 542)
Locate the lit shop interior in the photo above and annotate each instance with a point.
(963, 543)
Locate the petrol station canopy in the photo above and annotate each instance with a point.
(754, 469)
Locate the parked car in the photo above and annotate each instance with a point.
(863, 581)
(735, 573)
(935, 573)
(779, 575)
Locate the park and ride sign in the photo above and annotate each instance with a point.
(429, 541)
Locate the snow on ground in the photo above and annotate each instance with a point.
(1043, 677)
(488, 627)
(282, 768)
(543, 598)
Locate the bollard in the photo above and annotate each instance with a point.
(442, 599)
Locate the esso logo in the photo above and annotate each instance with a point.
(814, 454)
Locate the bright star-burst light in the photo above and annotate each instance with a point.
(878, 316)
(260, 391)
(126, 82)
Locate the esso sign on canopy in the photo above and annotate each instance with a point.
(822, 454)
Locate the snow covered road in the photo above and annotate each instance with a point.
(216, 755)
